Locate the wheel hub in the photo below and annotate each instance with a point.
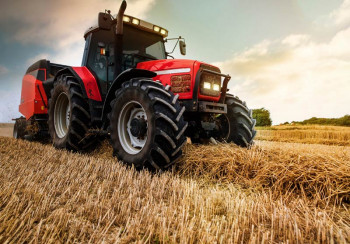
(138, 127)
(132, 127)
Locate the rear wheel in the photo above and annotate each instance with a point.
(19, 129)
(69, 117)
(146, 124)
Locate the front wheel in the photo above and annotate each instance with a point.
(146, 124)
(238, 125)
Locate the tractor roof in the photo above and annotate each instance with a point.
(137, 23)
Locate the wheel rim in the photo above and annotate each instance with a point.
(130, 114)
(62, 115)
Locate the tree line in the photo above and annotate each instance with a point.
(343, 121)
(263, 118)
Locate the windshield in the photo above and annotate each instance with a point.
(140, 46)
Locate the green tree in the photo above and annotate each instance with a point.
(262, 117)
(345, 121)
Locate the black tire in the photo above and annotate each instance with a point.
(75, 138)
(165, 129)
(238, 124)
(19, 129)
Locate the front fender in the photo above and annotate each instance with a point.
(117, 83)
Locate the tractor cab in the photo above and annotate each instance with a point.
(142, 41)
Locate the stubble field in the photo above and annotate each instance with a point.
(314, 134)
(275, 192)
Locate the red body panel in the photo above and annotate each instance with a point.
(166, 69)
(31, 102)
(90, 83)
(170, 65)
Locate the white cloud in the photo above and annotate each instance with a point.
(295, 78)
(295, 40)
(3, 70)
(341, 16)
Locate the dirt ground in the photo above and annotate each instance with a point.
(6, 129)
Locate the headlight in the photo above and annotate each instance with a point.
(207, 85)
(216, 87)
(210, 84)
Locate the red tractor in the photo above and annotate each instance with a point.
(128, 90)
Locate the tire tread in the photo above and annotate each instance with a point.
(170, 125)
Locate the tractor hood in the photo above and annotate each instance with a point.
(167, 65)
(168, 68)
(174, 66)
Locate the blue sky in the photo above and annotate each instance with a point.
(289, 56)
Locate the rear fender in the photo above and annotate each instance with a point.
(117, 83)
(90, 90)
(87, 81)
(70, 72)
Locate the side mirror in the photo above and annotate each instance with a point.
(182, 47)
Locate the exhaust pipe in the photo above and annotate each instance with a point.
(119, 40)
(119, 29)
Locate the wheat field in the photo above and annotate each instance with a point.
(275, 192)
(314, 134)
